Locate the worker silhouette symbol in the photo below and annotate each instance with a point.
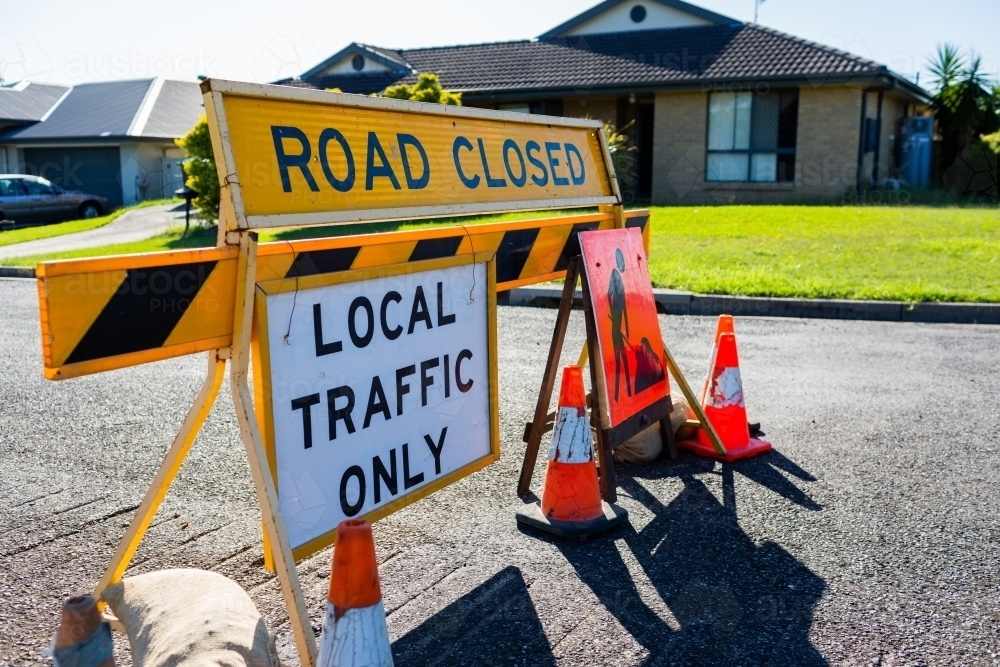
(619, 322)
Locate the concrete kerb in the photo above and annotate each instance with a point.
(674, 302)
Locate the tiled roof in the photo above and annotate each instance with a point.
(667, 57)
(29, 102)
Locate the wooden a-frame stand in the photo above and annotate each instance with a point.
(608, 439)
(275, 536)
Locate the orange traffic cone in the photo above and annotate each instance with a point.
(725, 408)
(354, 629)
(571, 504)
(82, 639)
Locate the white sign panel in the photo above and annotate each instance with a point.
(378, 390)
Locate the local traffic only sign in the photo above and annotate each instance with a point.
(379, 388)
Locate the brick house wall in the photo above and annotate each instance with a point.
(680, 122)
(826, 159)
(826, 156)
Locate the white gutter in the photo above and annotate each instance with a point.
(146, 108)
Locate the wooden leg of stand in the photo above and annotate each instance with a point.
(605, 460)
(548, 382)
(165, 475)
(692, 400)
(267, 496)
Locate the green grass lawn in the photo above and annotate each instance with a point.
(58, 229)
(898, 253)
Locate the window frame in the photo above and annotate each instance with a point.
(750, 151)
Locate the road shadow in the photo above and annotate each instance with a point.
(732, 601)
(764, 469)
(494, 624)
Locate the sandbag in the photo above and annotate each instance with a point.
(648, 444)
(190, 618)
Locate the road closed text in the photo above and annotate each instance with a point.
(476, 162)
(376, 389)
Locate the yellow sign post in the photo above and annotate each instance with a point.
(288, 157)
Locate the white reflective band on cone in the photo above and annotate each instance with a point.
(359, 638)
(727, 390)
(571, 442)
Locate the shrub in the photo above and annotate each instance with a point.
(199, 167)
(426, 89)
(992, 141)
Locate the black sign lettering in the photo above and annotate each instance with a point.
(337, 414)
(419, 313)
(379, 475)
(409, 482)
(462, 386)
(361, 303)
(376, 403)
(436, 449)
(348, 508)
(304, 404)
(442, 318)
(426, 380)
(323, 349)
(402, 388)
(391, 334)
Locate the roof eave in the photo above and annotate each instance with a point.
(877, 79)
(118, 139)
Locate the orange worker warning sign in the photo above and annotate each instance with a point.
(633, 362)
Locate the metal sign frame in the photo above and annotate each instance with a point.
(236, 237)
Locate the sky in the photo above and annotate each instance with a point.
(252, 40)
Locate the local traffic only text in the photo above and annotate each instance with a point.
(376, 388)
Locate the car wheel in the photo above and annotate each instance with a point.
(90, 210)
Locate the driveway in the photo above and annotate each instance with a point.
(868, 537)
(130, 227)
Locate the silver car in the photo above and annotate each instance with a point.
(32, 199)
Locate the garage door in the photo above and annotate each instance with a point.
(93, 170)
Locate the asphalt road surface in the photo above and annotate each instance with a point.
(868, 537)
(132, 226)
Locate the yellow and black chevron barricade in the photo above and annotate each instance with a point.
(113, 312)
(289, 157)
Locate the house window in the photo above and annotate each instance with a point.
(517, 107)
(751, 136)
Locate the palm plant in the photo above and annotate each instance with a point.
(966, 104)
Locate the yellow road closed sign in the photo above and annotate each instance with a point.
(302, 157)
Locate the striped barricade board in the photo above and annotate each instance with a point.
(112, 312)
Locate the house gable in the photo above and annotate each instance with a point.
(358, 59)
(627, 15)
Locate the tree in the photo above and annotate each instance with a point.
(199, 167)
(622, 159)
(426, 89)
(966, 105)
